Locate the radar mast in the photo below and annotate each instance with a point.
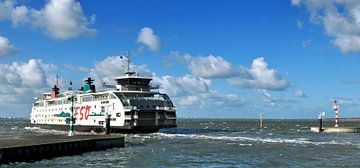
(128, 72)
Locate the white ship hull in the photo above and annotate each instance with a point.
(128, 112)
(130, 105)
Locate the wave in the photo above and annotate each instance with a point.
(57, 132)
(45, 131)
(301, 141)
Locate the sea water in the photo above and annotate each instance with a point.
(212, 143)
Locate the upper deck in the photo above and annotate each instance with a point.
(132, 83)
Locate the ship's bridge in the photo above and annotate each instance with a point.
(132, 83)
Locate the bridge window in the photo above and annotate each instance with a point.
(86, 98)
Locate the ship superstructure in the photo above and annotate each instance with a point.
(131, 104)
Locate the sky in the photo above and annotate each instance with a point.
(215, 59)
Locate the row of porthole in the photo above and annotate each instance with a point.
(49, 120)
(46, 110)
(112, 119)
(44, 115)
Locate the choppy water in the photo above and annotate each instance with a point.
(213, 143)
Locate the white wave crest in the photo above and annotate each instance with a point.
(59, 132)
(301, 141)
(45, 131)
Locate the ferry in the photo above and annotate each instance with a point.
(131, 105)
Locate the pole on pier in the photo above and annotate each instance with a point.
(336, 108)
(321, 115)
(71, 129)
(260, 122)
(107, 122)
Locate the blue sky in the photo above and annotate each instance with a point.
(232, 59)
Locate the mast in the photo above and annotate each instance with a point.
(128, 62)
(128, 72)
(57, 80)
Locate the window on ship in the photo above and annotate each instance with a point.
(86, 98)
(125, 96)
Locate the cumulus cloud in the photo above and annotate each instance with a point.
(206, 66)
(340, 20)
(210, 67)
(262, 77)
(184, 85)
(299, 93)
(63, 19)
(107, 69)
(259, 76)
(20, 82)
(272, 101)
(175, 57)
(149, 38)
(6, 48)
(24, 78)
(295, 2)
(194, 93)
(6, 8)
(59, 19)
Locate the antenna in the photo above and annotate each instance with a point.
(128, 72)
(128, 65)
(57, 80)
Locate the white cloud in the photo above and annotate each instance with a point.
(210, 67)
(261, 77)
(347, 43)
(299, 93)
(189, 100)
(175, 57)
(110, 67)
(77, 68)
(272, 101)
(19, 15)
(180, 86)
(306, 43)
(194, 93)
(63, 19)
(24, 77)
(299, 24)
(20, 82)
(295, 2)
(31, 73)
(340, 19)
(147, 37)
(59, 19)
(6, 48)
(206, 66)
(263, 92)
(6, 9)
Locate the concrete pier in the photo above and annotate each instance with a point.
(337, 130)
(33, 148)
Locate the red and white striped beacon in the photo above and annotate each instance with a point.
(336, 108)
